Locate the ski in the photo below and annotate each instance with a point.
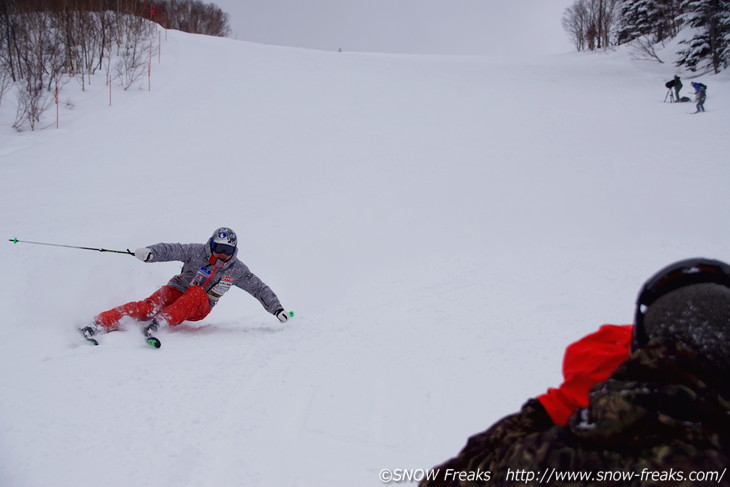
(152, 340)
(86, 333)
(89, 337)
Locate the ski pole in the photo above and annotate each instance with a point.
(15, 241)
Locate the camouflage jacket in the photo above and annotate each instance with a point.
(661, 419)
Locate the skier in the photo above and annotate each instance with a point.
(677, 87)
(209, 270)
(658, 406)
(700, 95)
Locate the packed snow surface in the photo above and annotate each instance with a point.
(442, 227)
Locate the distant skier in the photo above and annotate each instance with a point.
(677, 87)
(700, 95)
(209, 270)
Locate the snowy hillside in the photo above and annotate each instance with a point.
(442, 227)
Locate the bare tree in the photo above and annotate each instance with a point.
(644, 48)
(7, 71)
(8, 46)
(575, 22)
(194, 16)
(592, 24)
(39, 63)
(43, 43)
(6, 81)
(133, 54)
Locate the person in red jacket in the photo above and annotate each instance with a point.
(613, 376)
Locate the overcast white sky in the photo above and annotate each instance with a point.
(407, 26)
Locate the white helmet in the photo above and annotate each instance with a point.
(223, 240)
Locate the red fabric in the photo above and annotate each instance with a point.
(193, 305)
(172, 306)
(590, 360)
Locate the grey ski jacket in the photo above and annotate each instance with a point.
(215, 276)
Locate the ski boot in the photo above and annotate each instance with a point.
(88, 332)
(149, 330)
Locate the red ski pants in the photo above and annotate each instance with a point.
(167, 305)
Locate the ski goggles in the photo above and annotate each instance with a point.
(675, 276)
(221, 248)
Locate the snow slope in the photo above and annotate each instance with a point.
(456, 27)
(442, 227)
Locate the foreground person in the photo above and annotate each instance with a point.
(642, 405)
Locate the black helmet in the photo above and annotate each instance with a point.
(681, 274)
